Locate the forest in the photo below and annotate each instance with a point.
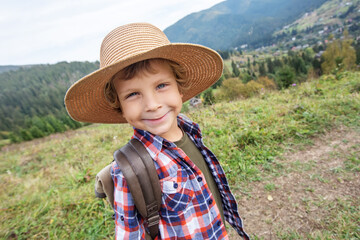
(32, 99)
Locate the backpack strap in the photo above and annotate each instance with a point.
(139, 171)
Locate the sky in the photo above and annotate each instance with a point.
(51, 31)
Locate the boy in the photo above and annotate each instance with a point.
(143, 80)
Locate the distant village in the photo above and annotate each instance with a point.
(318, 35)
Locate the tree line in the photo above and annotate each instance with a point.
(32, 99)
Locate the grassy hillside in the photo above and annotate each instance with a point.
(47, 184)
(330, 13)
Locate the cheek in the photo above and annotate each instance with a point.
(175, 98)
(178, 102)
(129, 110)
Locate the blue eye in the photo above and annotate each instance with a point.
(132, 94)
(162, 85)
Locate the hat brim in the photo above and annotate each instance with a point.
(85, 100)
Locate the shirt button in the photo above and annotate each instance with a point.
(122, 218)
(219, 223)
(176, 185)
(226, 187)
(210, 201)
(199, 179)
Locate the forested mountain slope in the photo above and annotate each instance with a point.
(37, 91)
(235, 22)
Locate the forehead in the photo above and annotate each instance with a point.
(156, 71)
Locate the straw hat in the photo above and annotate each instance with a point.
(85, 100)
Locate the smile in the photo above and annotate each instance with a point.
(155, 120)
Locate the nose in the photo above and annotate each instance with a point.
(151, 102)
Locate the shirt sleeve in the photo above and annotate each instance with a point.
(128, 222)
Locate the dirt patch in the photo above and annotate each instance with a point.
(300, 196)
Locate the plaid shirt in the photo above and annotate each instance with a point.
(188, 209)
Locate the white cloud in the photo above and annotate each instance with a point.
(41, 31)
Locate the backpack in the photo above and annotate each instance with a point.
(139, 171)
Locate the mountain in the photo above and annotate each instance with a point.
(235, 22)
(7, 68)
(36, 92)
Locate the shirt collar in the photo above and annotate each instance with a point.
(189, 126)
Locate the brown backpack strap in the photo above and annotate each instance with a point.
(139, 171)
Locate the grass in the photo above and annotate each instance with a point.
(270, 186)
(4, 142)
(47, 184)
(263, 127)
(341, 222)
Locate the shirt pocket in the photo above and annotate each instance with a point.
(177, 192)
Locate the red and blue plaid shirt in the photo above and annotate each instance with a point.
(188, 209)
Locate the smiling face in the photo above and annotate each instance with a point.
(151, 101)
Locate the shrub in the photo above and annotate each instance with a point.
(4, 135)
(245, 77)
(252, 88)
(339, 55)
(267, 83)
(229, 90)
(25, 135)
(36, 132)
(14, 138)
(233, 89)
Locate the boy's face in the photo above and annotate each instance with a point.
(152, 101)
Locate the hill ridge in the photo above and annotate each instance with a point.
(232, 23)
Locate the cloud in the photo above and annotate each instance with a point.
(50, 31)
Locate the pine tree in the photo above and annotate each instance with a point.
(235, 69)
(285, 76)
(357, 53)
(270, 65)
(277, 63)
(262, 70)
(208, 96)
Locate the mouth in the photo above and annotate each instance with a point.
(156, 120)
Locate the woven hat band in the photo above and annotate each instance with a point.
(122, 43)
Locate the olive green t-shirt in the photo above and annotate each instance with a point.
(197, 158)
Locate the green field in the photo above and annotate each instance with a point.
(47, 185)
